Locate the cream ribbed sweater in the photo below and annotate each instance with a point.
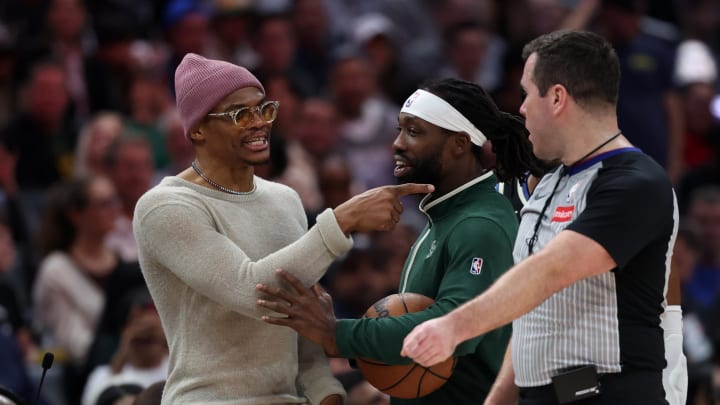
(202, 253)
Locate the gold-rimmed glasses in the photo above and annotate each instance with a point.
(244, 116)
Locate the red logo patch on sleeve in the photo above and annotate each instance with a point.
(563, 214)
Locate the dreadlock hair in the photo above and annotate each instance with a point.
(507, 132)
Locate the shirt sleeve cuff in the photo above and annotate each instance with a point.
(323, 388)
(334, 238)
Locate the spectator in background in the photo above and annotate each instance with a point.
(142, 355)
(110, 69)
(229, 39)
(282, 89)
(701, 22)
(186, 30)
(367, 121)
(149, 100)
(335, 181)
(129, 165)
(95, 138)
(396, 244)
(23, 267)
(76, 271)
(151, 395)
(704, 286)
(7, 70)
(123, 394)
(507, 96)
(180, 152)
(15, 383)
(65, 38)
(649, 110)
(696, 75)
(466, 44)
(41, 137)
(274, 42)
(697, 345)
(315, 44)
(14, 304)
(358, 280)
(377, 38)
(315, 134)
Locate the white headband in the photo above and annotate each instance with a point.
(437, 111)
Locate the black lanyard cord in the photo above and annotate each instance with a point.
(563, 170)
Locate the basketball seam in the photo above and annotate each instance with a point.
(419, 385)
(400, 380)
(442, 377)
(402, 298)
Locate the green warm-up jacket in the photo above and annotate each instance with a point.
(466, 246)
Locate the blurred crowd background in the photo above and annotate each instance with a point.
(88, 124)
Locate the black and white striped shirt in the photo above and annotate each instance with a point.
(622, 200)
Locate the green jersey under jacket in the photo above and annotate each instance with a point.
(466, 245)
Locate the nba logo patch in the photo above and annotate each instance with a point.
(476, 266)
(411, 99)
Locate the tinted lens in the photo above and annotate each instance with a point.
(244, 116)
(269, 111)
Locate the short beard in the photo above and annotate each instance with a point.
(427, 171)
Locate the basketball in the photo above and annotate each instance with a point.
(408, 380)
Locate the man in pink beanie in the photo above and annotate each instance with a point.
(208, 236)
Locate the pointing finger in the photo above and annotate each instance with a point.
(413, 188)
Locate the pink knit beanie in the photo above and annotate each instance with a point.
(201, 83)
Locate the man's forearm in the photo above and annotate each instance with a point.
(529, 283)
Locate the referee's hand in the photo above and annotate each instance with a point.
(430, 343)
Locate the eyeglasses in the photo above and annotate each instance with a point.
(244, 116)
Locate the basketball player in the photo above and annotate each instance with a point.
(451, 135)
(207, 236)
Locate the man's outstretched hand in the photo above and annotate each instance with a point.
(308, 310)
(430, 343)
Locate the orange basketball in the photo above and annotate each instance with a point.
(408, 380)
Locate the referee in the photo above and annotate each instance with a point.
(592, 251)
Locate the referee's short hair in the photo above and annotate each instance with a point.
(582, 62)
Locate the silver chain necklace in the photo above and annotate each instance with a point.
(218, 186)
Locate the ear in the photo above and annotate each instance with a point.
(460, 143)
(488, 160)
(197, 134)
(559, 97)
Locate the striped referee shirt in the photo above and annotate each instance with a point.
(623, 200)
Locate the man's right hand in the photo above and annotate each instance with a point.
(377, 209)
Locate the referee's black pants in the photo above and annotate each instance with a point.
(629, 387)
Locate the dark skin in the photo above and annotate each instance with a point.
(427, 154)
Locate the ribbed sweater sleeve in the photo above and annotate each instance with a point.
(178, 235)
(315, 380)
